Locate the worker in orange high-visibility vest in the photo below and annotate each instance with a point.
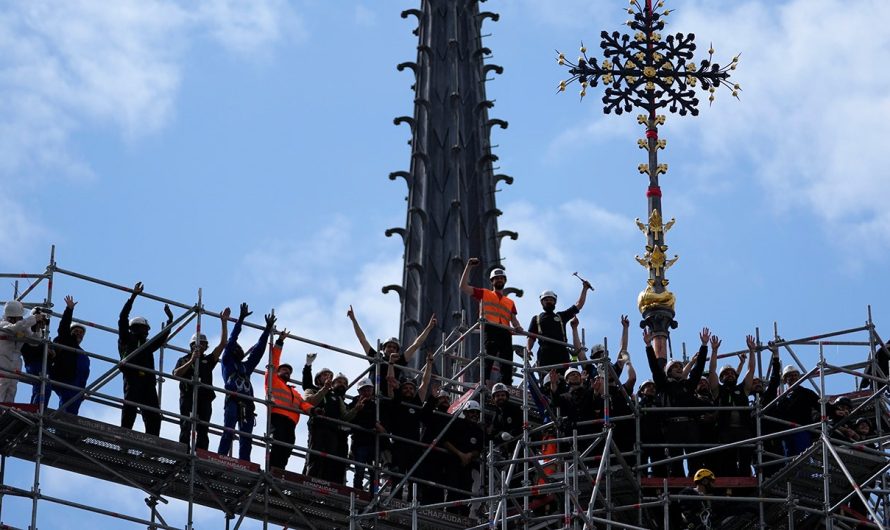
(287, 404)
(497, 308)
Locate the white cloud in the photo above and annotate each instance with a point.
(83, 63)
(364, 16)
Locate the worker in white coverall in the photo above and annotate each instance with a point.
(14, 330)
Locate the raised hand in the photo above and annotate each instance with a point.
(473, 262)
(137, 289)
(587, 285)
(574, 322)
(226, 313)
(270, 320)
(168, 312)
(648, 336)
(69, 302)
(244, 312)
(752, 343)
(715, 343)
(282, 335)
(705, 336)
(310, 358)
(625, 322)
(432, 323)
(350, 313)
(394, 357)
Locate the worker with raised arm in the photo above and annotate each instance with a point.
(551, 324)
(498, 309)
(237, 367)
(391, 346)
(70, 366)
(185, 369)
(733, 425)
(287, 404)
(140, 385)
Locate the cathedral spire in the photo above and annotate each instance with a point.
(452, 213)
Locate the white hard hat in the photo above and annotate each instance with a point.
(473, 405)
(725, 369)
(647, 382)
(670, 364)
(139, 321)
(597, 350)
(547, 294)
(546, 379)
(365, 383)
(499, 387)
(497, 272)
(789, 370)
(78, 325)
(341, 375)
(14, 308)
(392, 340)
(198, 337)
(571, 370)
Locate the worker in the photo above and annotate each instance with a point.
(287, 405)
(464, 441)
(365, 435)
(326, 434)
(237, 368)
(15, 330)
(32, 355)
(700, 514)
(498, 313)
(185, 369)
(551, 324)
(798, 405)
(140, 381)
(733, 425)
(71, 365)
(390, 346)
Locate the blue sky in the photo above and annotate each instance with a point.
(243, 147)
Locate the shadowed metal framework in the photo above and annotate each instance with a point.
(452, 213)
(651, 73)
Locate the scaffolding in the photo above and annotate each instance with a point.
(550, 479)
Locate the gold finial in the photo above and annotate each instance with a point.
(561, 59)
(661, 168)
(583, 49)
(659, 119)
(642, 144)
(661, 143)
(643, 168)
(649, 299)
(642, 119)
(641, 226)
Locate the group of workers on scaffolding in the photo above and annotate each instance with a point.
(411, 426)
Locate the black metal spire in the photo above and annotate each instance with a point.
(452, 213)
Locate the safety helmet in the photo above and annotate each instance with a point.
(670, 364)
(14, 308)
(571, 370)
(499, 387)
(197, 337)
(285, 365)
(317, 379)
(78, 325)
(366, 382)
(725, 369)
(597, 350)
(497, 272)
(702, 474)
(647, 382)
(842, 401)
(392, 340)
(546, 380)
(407, 381)
(547, 294)
(790, 369)
(341, 375)
(139, 321)
(472, 405)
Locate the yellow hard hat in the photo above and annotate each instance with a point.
(702, 474)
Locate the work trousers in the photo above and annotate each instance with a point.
(240, 412)
(7, 380)
(363, 453)
(499, 344)
(66, 394)
(329, 439)
(682, 430)
(284, 430)
(205, 409)
(141, 390)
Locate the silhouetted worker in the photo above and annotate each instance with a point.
(650, 428)
(391, 346)
(140, 382)
(403, 419)
(364, 441)
(287, 405)
(799, 406)
(700, 514)
(327, 436)
(551, 324)
(505, 426)
(464, 441)
(32, 355)
(70, 367)
(676, 391)
(496, 308)
(237, 367)
(185, 369)
(733, 425)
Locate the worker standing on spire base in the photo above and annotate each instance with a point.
(551, 324)
(140, 386)
(495, 308)
(237, 367)
(185, 369)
